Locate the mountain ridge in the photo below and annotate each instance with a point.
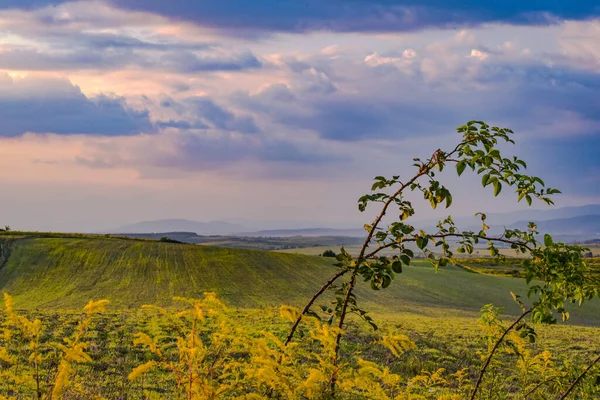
(180, 225)
(579, 215)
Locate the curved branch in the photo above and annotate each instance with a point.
(576, 381)
(423, 170)
(489, 358)
(310, 303)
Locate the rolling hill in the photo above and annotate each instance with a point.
(66, 272)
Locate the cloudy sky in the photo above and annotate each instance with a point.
(118, 111)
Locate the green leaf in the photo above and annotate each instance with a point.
(497, 187)
(405, 259)
(374, 285)
(484, 179)
(422, 242)
(397, 267)
(386, 281)
(460, 167)
(448, 200)
(548, 240)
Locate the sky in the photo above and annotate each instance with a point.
(118, 111)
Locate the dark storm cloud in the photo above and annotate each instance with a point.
(348, 15)
(360, 15)
(219, 117)
(197, 151)
(188, 62)
(181, 61)
(57, 106)
(54, 106)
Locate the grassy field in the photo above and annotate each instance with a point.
(67, 272)
(64, 273)
(594, 248)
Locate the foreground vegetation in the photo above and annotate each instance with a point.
(202, 349)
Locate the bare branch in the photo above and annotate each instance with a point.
(576, 381)
(310, 303)
(489, 357)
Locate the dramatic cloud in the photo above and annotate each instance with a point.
(361, 15)
(56, 106)
(239, 16)
(92, 35)
(230, 96)
(433, 90)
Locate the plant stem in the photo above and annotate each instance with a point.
(424, 170)
(536, 387)
(339, 334)
(310, 303)
(489, 358)
(576, 381)
(37, 375)
(445, 235)
(191, 361)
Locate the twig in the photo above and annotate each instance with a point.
(539, 385)
(340, 326)
(445, 235)
(310, 303)
(576, 381)
(423, 170)
(489, 358)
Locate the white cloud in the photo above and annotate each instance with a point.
(580, 44)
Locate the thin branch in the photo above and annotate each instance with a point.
(445, 235)
(310, 303)
(576, 381)
(423, 170)
(489, 358)
(539, 385)
(340, 326)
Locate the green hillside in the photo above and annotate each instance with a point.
(65, 273)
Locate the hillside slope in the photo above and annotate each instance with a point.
(65, 273)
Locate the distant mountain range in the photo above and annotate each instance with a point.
(544, 215)
(518, 217)
(570, 223)
(581, 227)
(226, 228)
(181, 225)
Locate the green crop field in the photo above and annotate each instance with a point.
(65, 273)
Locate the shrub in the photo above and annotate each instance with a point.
(328, 253)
